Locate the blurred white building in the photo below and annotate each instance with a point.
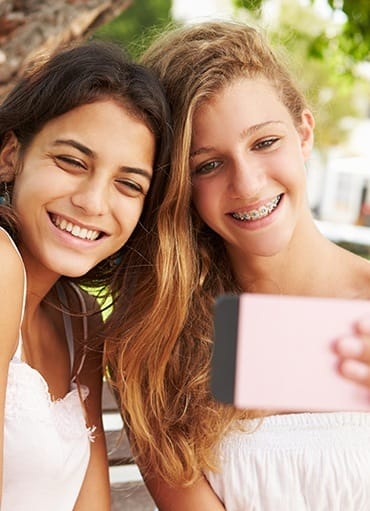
(339, 190)
(187, 10)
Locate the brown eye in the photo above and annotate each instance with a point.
(207, 168)
(266, 143)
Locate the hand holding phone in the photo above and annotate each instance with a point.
(275, 352)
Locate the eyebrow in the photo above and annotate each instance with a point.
(245, 133)
(136, 170)
(77, 145)
(89, 152)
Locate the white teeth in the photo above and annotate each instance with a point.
(261, 212)
(75, 230)
(93, 235)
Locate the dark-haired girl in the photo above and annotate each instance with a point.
(84, 140)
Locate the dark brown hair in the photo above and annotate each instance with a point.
(79, 75)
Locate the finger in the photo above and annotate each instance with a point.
(365, 355)
(351, 347)
(355, 371)
(363, 327)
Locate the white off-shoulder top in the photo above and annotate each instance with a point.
(46, 441)
(296, 462)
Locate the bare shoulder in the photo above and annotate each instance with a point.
(10, 258)
(359, 275)
(364, 276)
(11, 268)
(197, 497)
(11, 301)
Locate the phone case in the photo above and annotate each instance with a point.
(274, 352)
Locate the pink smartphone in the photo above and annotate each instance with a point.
(274, 352)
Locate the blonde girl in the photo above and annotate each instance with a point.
(242, 135)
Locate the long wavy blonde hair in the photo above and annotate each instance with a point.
(161, 366)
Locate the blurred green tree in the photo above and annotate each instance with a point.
(137, 24)
(251, 5)
(354, 36)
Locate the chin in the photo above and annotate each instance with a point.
(268, 253)
(269, 248)
(74, 272)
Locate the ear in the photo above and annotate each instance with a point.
(9, 157)
(305, 131)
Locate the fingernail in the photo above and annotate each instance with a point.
(350, 347)
(356, 370)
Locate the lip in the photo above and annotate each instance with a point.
(254, 205)
(74, 241)
(258, 223)
(89, 227)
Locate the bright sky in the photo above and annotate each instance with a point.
(192, 9)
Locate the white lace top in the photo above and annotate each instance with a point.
(46, 442)
(297, 462)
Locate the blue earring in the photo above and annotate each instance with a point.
(5, 197)
(115, 260)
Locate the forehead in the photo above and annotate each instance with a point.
(245, 90)
(244, 101)
(101, 118)
(106, 129)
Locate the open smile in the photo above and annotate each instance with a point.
(261, 212)
(77, 230)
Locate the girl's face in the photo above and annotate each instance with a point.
(247, 165)
(81, 189)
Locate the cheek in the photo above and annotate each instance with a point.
(200, 197)
(128, 214)
(37, 181)
(205, 202)
(22, 192)
(289, 169)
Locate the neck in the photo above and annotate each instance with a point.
(302, 268)
(40, 302)
(40, 281)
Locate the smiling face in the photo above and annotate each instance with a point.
(81, 188)
(247, 165)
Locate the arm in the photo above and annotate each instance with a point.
(354, 354)
(198, 497)
(12, 280)
(95, 491)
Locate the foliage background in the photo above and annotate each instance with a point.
(137, 25)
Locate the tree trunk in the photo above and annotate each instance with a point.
(32, 27)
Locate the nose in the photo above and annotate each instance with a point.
(92, 197)
(246, 179)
